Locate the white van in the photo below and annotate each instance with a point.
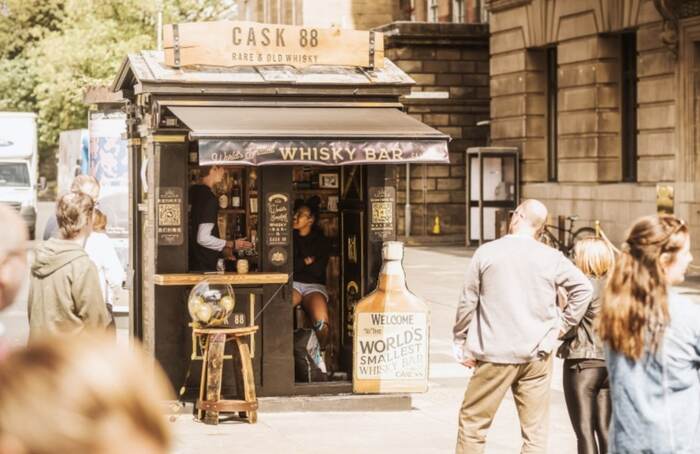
(18, 164)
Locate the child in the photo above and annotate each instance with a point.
(103, 254)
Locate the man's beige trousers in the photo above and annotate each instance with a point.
(529, 383)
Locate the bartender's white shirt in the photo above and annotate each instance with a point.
(207, 240)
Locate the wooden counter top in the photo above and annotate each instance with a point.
(221, 278)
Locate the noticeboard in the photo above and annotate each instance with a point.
(170, 229)
(382, 215)
(278, 219)
(277, 227)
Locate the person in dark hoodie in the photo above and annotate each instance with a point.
(64, 293)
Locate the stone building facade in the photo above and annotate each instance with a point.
(351, 14)
(449, 60)
(601, 99)
(358, 14)
(449, 63)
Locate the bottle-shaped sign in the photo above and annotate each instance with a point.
(236, 194)
(391, 330)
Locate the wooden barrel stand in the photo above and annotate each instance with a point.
(210, 405)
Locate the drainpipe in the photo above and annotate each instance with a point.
(407, 206)
(159, 26)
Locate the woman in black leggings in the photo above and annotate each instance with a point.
(586, 387)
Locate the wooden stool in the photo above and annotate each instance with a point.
(211, 404)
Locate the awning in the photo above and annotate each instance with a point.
(310, 135)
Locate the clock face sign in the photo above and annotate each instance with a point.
(278, 256)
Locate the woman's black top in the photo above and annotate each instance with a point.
(315, 245)
(205, 210)
(581, 342)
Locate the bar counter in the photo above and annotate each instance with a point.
(221, 278)
(249, 280)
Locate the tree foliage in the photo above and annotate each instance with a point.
(51, 50)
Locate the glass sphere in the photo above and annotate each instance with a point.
(211, 304)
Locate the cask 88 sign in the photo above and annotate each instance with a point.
(227, 43)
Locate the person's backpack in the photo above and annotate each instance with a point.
(308, 362)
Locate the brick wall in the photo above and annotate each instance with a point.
(451, 59)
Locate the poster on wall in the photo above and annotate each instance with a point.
(109, 164)
(382, 221)
(170, 220)
(278, 220)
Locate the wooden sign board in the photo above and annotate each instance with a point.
(228, 43)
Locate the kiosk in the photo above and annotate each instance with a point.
(282, 133)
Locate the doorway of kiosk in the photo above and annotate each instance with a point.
(317, 347)
(354, 263)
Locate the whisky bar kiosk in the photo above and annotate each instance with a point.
(285, 133)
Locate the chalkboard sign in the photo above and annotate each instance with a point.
(382, 218)
(278, 220)
(170, 230)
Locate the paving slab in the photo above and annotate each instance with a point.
(430, 426)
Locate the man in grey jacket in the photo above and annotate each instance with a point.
(507, 325)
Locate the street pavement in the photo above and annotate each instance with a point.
(436, 274)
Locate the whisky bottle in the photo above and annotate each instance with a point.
(390, 333)
(236, 194)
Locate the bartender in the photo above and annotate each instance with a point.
(206, 244)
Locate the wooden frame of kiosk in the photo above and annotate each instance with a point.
(282, 133)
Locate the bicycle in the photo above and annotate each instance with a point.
(567, 247)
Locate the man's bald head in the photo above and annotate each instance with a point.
(13, 254)
(529, 218)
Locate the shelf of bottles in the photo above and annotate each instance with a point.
(322, 182)
(237, 196)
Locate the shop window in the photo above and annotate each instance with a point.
(433, 11)
(458, 15)
(628, 105)
(468, 11)
(551, 94)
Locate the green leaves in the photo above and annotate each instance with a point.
(51, 50)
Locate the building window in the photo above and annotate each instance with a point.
(458, 16)
(551, 94)
(432, 10)
(628, 106)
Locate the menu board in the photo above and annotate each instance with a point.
(382, 219)
(170, 216)
(278, 222)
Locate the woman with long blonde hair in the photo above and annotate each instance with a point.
(585, 378)
(652, 334)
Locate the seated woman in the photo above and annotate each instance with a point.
(311, 252)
